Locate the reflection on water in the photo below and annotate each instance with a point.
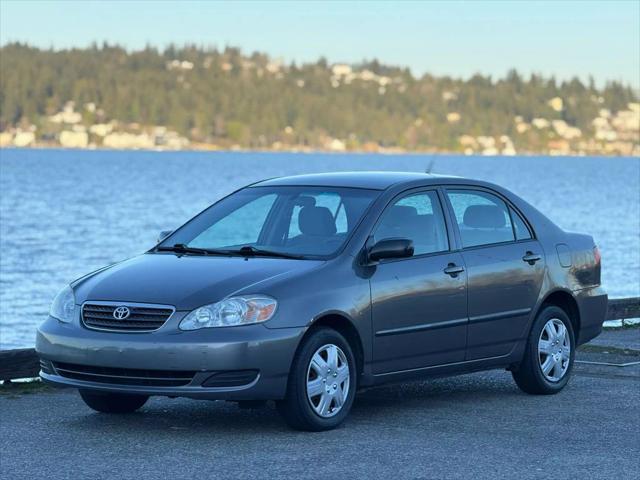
(65, 213)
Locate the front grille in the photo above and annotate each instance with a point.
(125, 376)
(99, 316)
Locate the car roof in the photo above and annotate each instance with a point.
(369, 180)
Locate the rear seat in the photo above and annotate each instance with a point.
(485, 224)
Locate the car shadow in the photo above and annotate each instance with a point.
(174, 417)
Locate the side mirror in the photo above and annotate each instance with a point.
(391, 248)
(164, 234)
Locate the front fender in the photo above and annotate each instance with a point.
(334, 289)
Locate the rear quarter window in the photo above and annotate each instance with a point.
(520, 227)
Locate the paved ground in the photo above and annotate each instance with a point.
(619, 338)
(472, 426)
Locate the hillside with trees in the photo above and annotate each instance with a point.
(226, 99)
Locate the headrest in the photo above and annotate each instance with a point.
(305, 201)
(426, 221)
(484, 216)
(316, 221)
(401, 214)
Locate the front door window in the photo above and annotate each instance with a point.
(417, 217)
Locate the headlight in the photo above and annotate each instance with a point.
(231, 312)
(63, 306)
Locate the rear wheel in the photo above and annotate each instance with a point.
(322, 383)
(112, 402)
(549, 354)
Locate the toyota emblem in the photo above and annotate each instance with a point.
(120, 313)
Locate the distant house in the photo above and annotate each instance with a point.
(180, 65)
(453, 117)
(101, 129)
(341, 70)
(6, 139)
(71, 139)
(24, 138)
(556, 103)
(565, 130)
(540, 123)
(67, 115)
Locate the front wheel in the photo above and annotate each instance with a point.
(113, 402)
(548, 358)
(322, 383)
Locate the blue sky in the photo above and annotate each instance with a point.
(455, 38)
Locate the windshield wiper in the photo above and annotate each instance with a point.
(249, 250)
(182, 248)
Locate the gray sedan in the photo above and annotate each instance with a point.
(303, 289)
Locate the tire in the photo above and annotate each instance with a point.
(530, 376)
(113, 402)
(320, 412)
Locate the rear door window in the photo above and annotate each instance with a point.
(482, 218)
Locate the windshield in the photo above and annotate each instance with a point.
(307, 221)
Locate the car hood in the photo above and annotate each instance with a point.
(184, 281)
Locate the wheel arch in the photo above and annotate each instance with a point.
(341, 323)
(564, 299)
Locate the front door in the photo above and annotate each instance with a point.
(505, 268)
(419, 310)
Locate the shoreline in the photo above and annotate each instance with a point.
(318, 151)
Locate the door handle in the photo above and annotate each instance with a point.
(531, 258)
(453, 270)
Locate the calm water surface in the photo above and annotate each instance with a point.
(65, 213)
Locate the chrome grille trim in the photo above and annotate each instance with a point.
(144, 317)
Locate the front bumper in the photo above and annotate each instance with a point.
(255, 348)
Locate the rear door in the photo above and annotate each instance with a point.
(505, 268)
(419, 311)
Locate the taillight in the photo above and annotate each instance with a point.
(596, 255)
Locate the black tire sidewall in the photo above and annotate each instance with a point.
(108, 402)
(541, 320)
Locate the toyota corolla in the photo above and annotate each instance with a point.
(303, 289)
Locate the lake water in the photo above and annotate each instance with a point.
(64, 213)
